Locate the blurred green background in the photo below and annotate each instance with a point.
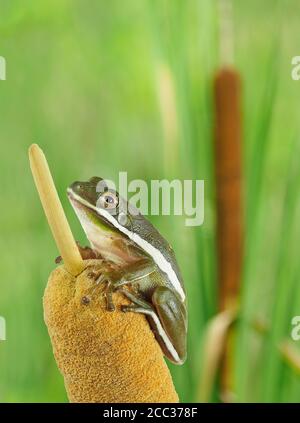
(127, 85)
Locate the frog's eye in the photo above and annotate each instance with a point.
(108, 200)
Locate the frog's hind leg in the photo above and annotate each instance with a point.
(173, 317)
(144, 307)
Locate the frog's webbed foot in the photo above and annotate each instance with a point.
(115, 281)
(139, 303)
(101, 277)
(104, 278)
(105, 274)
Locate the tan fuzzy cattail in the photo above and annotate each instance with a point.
(103, 356)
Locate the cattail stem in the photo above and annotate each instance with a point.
(54, 212)
(228, 192)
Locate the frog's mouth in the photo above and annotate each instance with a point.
(90, 211)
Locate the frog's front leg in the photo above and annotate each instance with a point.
(104, 277)
(115, 281)
(168, 319)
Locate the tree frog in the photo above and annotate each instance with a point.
(147, 262)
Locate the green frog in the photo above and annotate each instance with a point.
(148, 274)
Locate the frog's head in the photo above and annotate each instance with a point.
(105, 218)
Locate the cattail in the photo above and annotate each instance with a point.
(228, 184)
(227, 95)
(229, 202)
(103, 356)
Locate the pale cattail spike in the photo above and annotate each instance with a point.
(54, 212)
(225, 32)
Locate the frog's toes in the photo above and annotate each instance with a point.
(129, 308)
(135, 299)
(108, 292)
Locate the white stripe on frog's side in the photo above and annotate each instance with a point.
(161, 333)
(157, 256)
